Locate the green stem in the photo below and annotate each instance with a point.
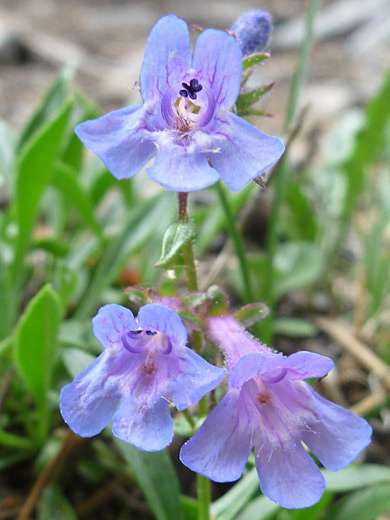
(187, 249)
(204, 493)
(203, 483)
(281, 172)
(238, 243)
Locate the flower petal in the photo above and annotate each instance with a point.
(111, 322)
(198, 378)
(182, 168)
(304, 364)
(120, 139)
(288, 475)
(167, 57)
(220, 448)
(245, 152)
(253, 365)
(337, 436)
(88, 403)
(218, 59)
(147, 425)
(158, 317)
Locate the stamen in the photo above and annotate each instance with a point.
(150, 332)
(191, 89)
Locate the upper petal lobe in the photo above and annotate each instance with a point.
(111, 322)
(218, 60)
(167, 57)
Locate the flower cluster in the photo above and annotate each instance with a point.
(185, 119)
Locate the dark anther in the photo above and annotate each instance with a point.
(150, 332)
(191, 89)
(135, 331)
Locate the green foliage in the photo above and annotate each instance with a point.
(53, 504)
(35, 348)
(174, 238)
(157, 479)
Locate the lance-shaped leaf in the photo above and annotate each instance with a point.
(175, 237)
(254, 59)
(35, 345)
(251, 313)
(246, 100)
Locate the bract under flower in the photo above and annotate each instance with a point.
(270, 408)
(145, 366)
(186, 118)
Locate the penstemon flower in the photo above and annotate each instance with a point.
(185, 119)
(145, 366)
(268, 406)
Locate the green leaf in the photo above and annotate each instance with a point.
(254, 59)
(174, 238)
(51, 245)
(231, 503)
(52, 102)
(139, 228)
(33, 171)
(219, 303)
(193, 318)
(244, 101)
(294, 328)
(367, 504)
(7, 298)
(7, 154)
(76, 360)
(53, 504)
(189, 507)
(138, 295)
(356, 476)
(157, 480)
(261, 508)
(297, 264)
(35, 346)
(65, 180)
(251, 313)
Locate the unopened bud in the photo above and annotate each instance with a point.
(253, 30)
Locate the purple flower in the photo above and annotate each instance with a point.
(186, 118)
(253, 30)
(145, 366)
(270, 408)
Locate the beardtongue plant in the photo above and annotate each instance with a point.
(188, 121)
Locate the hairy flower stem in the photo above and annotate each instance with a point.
(187, 250)
(203, 483)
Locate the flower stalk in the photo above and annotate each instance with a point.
(203, 483)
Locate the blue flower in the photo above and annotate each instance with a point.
(270, 408)
(186, 119)
(144, 367)
(253, 31)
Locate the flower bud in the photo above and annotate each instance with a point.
(253, 30)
